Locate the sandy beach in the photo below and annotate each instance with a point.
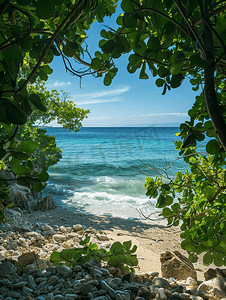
(151, 238)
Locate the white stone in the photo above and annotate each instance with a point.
(217, 294)
(63, 229)
(78, 227)
(3, 254)
(59, 237)
(191, 281)
(161, 293)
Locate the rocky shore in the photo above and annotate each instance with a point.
(26, 272)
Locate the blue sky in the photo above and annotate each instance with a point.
(128, 101)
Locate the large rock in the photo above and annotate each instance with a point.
(7, 268)
(215, 283)
(177, 266)
(46, 203)
(18, 223)
(22, 197)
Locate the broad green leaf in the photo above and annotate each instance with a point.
(213, 146)
(197, 61)
(177, 58)
(20, 155)
(116, 248)
(163, 72)
(209, 192)
(23, 2)
(35, 99)
(143, 75)
(43, 176)
(27, 146)
(13, 113)
(127, 245)
(115, 261)
(159, 82)
(104, 34)
(218, 259)
(38, 187)
(127, 6)
(167, 212)
(188, 245)
(95, 64)
(107, 79)
(176, 80)
(45, 9)
(68, 50)
(55, 258)
(20, 170)
(153, 43)
(129, 20)
(108, 46)
(68, 254)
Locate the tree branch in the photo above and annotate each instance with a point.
(50, 43)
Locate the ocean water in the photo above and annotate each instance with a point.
(103, 170)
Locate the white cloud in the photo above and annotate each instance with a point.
(105, 93)
(165, 114)
(100, 97)
(59, 83)
(96, 101)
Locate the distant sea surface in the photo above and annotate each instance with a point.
(103, 169)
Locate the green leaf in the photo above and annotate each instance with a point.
(43, 176)
(143, 75)
(159, 82)
(107, 79)
(13, 58)
(35, 99)
(163, 72)
(108, 46)
(114, 261)
(176, 80)
(20, 170)
(197, 61)
(188, 245)
(104, 34)
(13, 113)
(153, 43)
(55, 258)
(38, 187)
(27, 146)
(68, 254)
(207, 259)
(23, 2)
(20, 155)
(129, 21)
(218, 259)
(68, 50)
(131, 260)
(212, 147)
(116, 248)
(85, 242)
(177, 58)
(167, 212)
(127, 245)
(209, 192)
(127, 6)
(95, 64)
(45, 9)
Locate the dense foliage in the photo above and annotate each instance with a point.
(171, 40)
(168, 39)
(119, 255)
(31, 34)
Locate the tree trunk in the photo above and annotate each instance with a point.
(209, 88)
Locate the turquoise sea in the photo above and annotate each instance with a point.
(103, 169)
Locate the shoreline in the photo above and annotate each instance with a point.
(151, 238)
